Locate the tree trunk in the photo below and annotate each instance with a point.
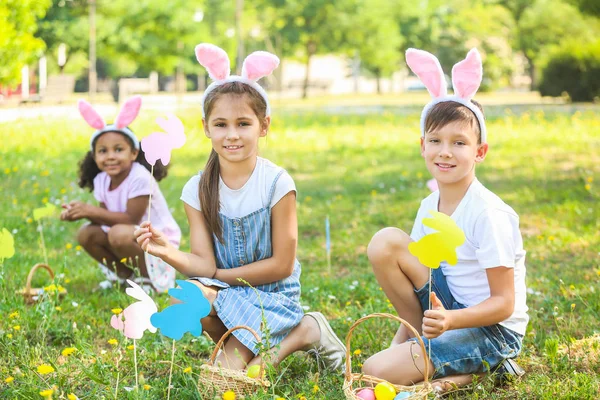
(530, 72)
(378, 79)
(310, 50)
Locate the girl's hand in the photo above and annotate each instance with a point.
(64, 215)
(78, 210)
(437, 320)
(152, 240)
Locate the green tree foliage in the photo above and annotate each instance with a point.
(376, 38)
(18, 46)
(573, 68)
(309, 27)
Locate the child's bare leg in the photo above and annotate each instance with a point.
(403, 364)
(95, 241)
(303, 334)
(123, 244)
(398, 272)
(234, 355)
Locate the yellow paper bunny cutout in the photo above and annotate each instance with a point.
(42, 212)
(7, 245)
(440, 246)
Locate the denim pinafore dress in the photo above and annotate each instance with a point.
(247, 240)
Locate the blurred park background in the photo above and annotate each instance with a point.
(346, 127)
(114, 48)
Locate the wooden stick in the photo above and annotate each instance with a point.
(151, 188)
(171, 370)
(41, 228)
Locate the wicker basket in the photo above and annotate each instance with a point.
(223, 379)
(354, 382)
(30, 294)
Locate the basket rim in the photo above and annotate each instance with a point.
(349, 376)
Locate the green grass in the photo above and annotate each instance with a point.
(364, 171)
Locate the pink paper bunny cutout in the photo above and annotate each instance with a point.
(158, 146)
(135, 319)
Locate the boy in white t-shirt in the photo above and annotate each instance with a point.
(478, 313)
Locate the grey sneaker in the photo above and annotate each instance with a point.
(329, 350)
(508, 371)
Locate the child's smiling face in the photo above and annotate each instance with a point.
(451, 152)
(114, 155)
(234, 128)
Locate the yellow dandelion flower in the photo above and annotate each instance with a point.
(279, 398)
(69, 350)
(15, 169)
(348, 303)
(13, 314)
(47, 393)
(68, 246)
(147, 387)
(130, 347)
(188, 370)
(17, 327)
(572, 306)
(357, 352)
(29, 220)
(373, 192)
(9, 335)
(45, 173)
(588, 187)
(116, 310)
(7, 171)
(316, 388)
(114, 342)
(68, 280)
(44, 200)
(45, 369)
(307, 199)
(229, 395)
(590, 179)
(9, 379)
(78, 248)
(71, 396)
(124, 260)
(63, 191)
(572, 287)
(58, 308)
(301, 398)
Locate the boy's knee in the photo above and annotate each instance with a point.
(373, 367)
(120, 234)
(386, 243)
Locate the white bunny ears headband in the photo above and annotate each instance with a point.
(466, 78)
(216, 62)
(128, 113)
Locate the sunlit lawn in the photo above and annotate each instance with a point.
(365, 173)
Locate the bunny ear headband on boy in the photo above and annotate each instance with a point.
(216, 62)
(466, 78)
(128, 113)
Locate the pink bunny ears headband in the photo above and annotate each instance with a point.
(466, 78)
(128, 113)
(257, 65)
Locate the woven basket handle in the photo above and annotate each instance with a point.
(348, 373)
(32, 272)
(213, 356)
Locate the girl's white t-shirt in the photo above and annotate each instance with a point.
(251, 197)
(493, 239)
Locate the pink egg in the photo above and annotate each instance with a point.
(366, 394)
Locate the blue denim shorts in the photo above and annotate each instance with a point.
(469, 350)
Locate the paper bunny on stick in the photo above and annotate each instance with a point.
(466, 78)
(128, 113)
(158, 146)
(257, 65)
(135, 319)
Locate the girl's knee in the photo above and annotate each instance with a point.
(89, 234)
(386, 243)
(120, 234)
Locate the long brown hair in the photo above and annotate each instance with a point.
(447, 112)
(208, 188)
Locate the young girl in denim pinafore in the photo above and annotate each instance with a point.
(242, 214)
